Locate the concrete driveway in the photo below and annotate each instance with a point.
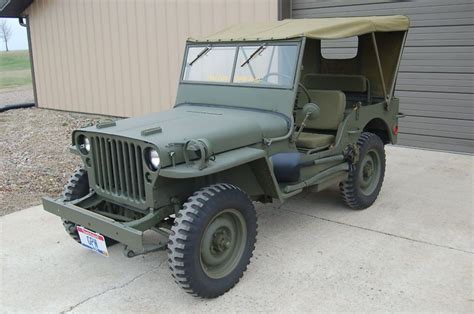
(411, 251)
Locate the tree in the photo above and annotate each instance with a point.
(5, 32)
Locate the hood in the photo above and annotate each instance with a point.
(223, 127)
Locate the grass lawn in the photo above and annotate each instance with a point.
(15, 69)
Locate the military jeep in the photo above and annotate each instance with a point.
(260, 115)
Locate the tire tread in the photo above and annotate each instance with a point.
(348, 188)
(179, 239)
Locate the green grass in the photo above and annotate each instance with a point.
(15, 69)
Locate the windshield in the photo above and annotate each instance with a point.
(209, 64)
(267, 64)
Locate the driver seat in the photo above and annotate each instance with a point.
(321, 132)
(314, 140)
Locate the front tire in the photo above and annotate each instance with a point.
(365, 179)
(212, 240)
(76, 188)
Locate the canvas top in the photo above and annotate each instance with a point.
(322, 28)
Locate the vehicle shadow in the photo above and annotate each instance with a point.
(301, 210)
(327, 200)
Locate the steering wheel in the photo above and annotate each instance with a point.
(265, 77)
(305, 90)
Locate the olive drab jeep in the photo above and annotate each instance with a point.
(260, 115)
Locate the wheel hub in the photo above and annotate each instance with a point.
(221, 240)
(369, 172)
(223, 243)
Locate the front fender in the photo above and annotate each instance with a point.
(248, 168)
(221, 162)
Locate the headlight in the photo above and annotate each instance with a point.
(84, 144)
(87, 144)
(153, 159)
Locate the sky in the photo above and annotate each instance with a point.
(19, 40)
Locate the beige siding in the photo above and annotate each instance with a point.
(123, 57)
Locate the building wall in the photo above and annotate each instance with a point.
(436, 80)
(123, 57)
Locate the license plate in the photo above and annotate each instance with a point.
(93, 241)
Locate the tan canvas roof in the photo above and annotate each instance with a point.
(324, 28)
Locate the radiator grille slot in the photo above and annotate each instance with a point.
(118, 167)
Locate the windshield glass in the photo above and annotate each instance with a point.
(209, 64)
(265, 64)
(271, 65)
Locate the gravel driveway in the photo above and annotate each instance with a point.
(34, 159)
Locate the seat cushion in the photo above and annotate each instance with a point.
(314, 140)
(332, 104)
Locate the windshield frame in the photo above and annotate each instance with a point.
(237, 45)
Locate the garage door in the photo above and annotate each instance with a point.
(436, 79)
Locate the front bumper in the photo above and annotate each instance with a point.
(128, 233)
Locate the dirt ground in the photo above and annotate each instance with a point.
(34, 156)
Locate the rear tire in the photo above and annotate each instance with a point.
(365, 179)
(212, 240)
(76, 188)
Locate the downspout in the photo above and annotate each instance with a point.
(24, 21)
(285, 9)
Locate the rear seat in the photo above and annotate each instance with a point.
(356, 87)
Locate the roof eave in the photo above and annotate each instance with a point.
(16, 8)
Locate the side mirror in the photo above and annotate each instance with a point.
(311, 111)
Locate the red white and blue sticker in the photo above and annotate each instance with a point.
(93, 241)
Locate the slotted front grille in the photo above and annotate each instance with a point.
(118, 167)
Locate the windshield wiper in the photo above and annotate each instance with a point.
(202, 53)
(259, 50)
